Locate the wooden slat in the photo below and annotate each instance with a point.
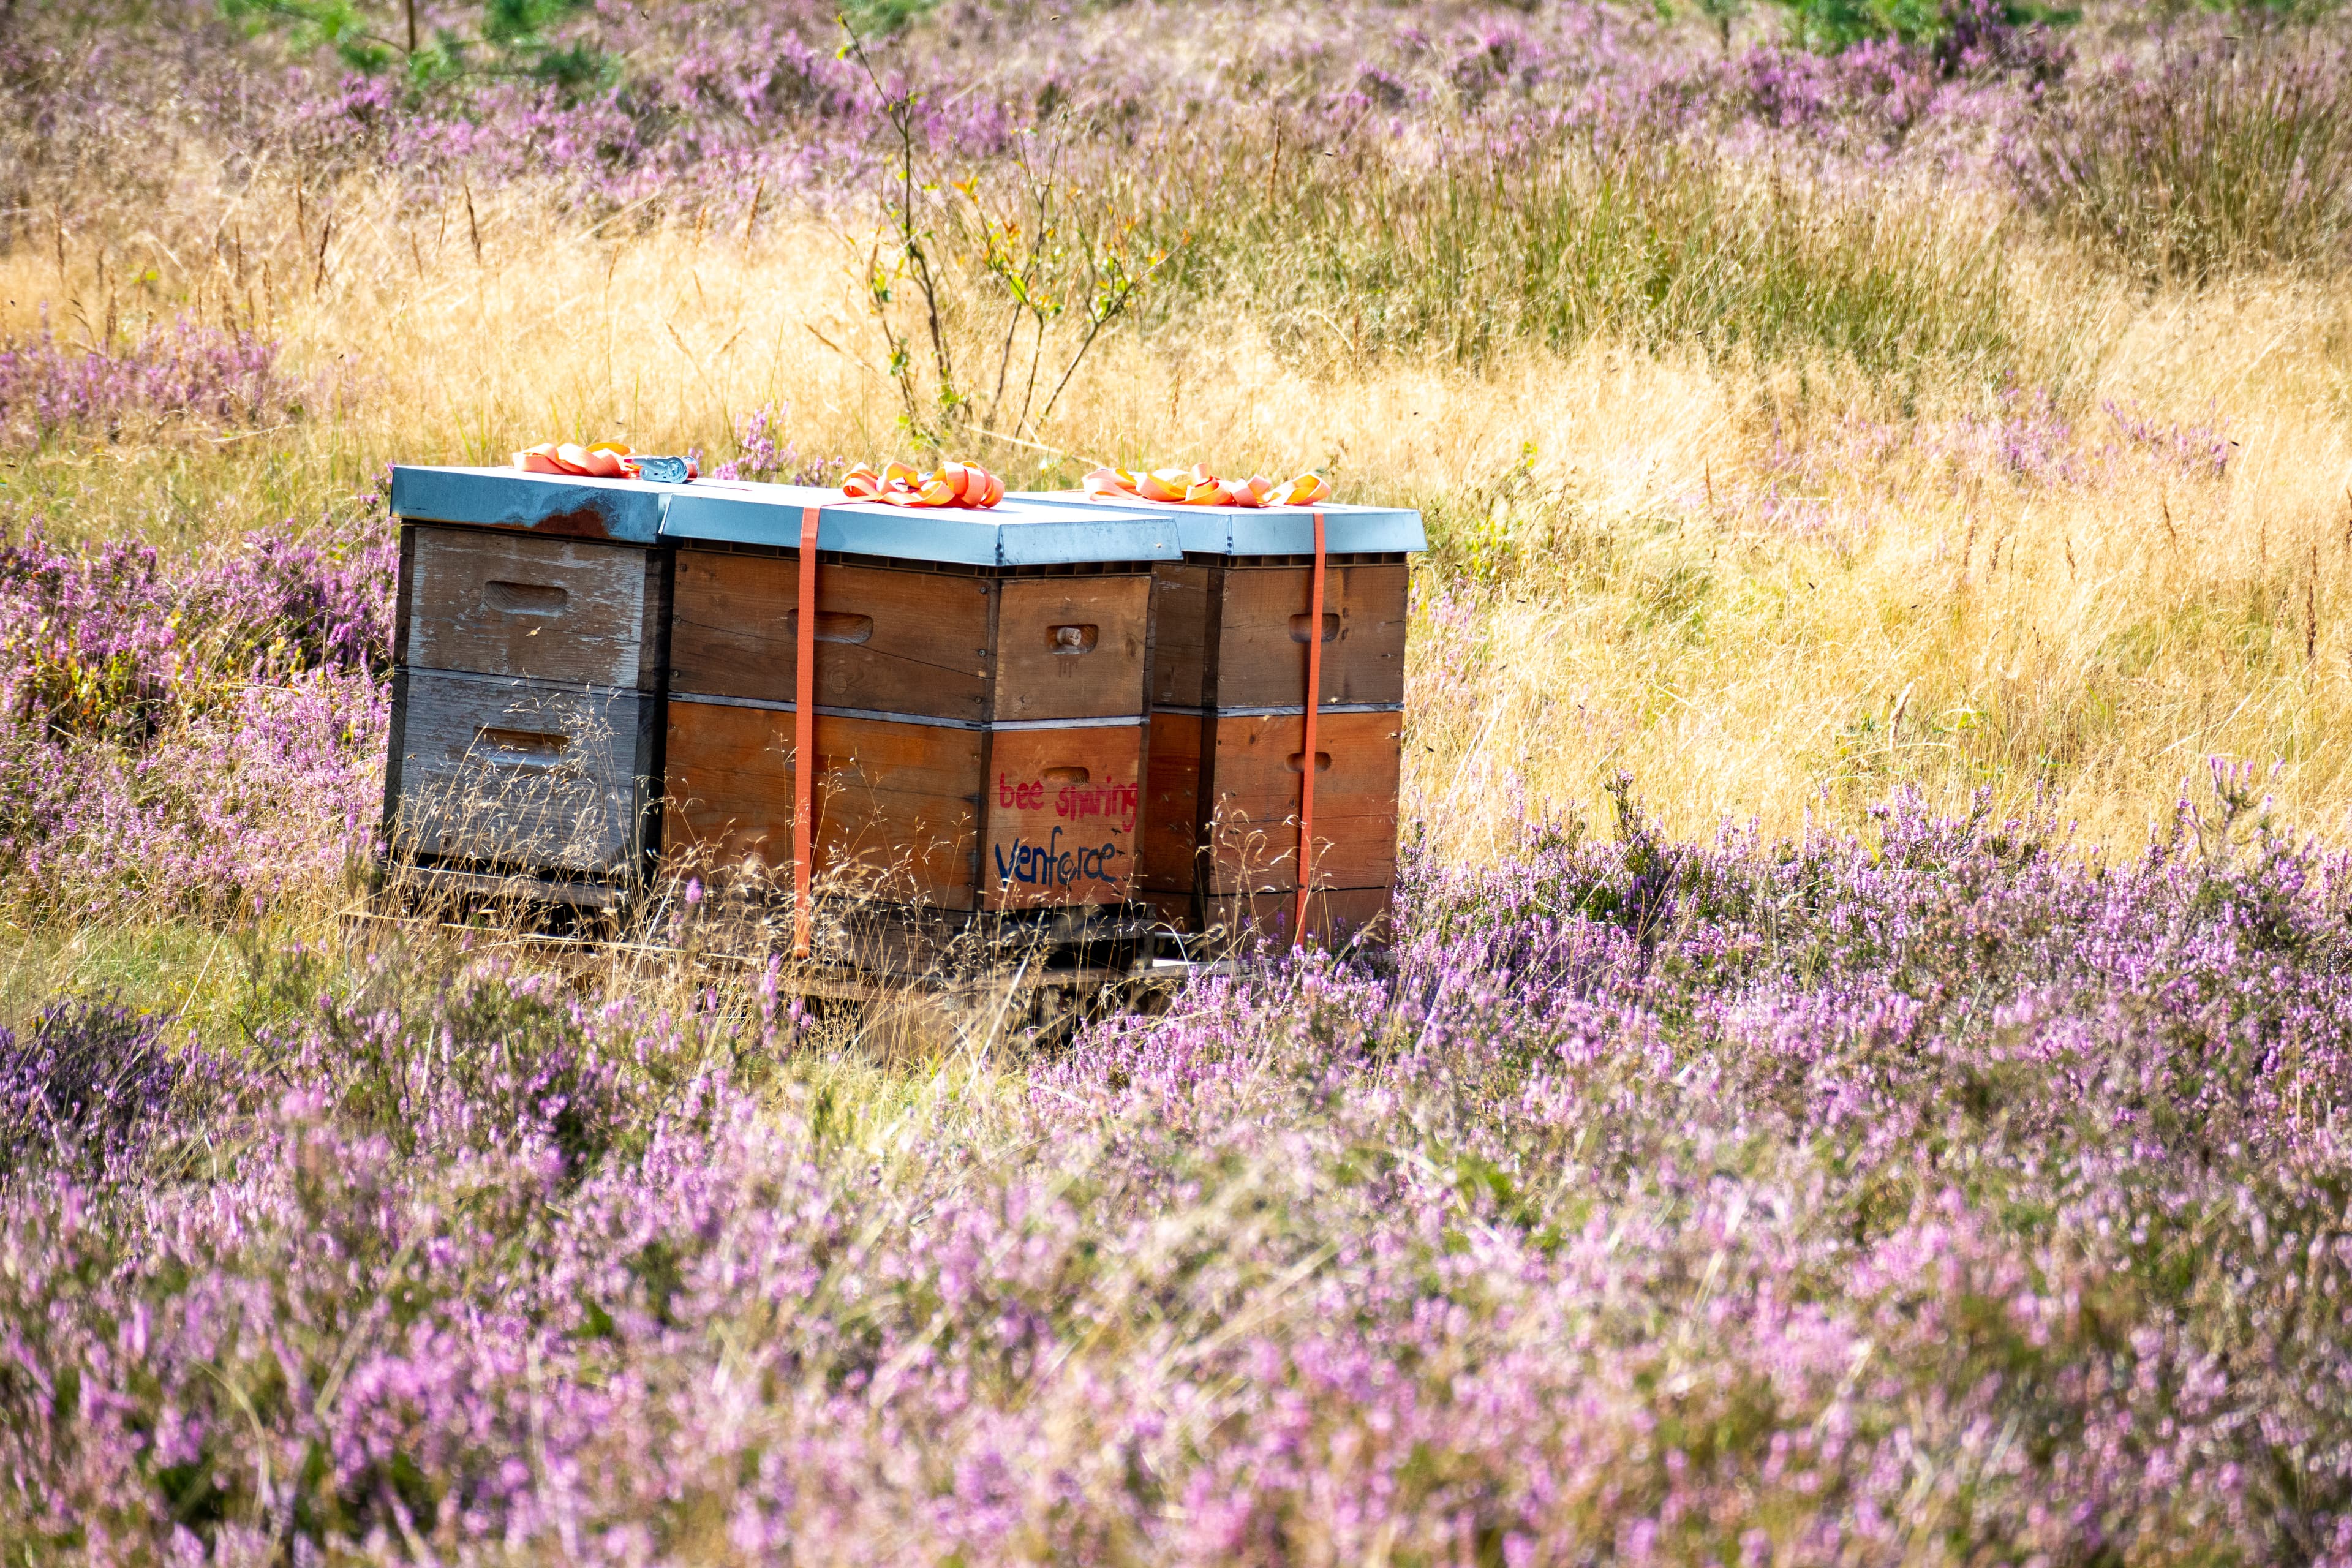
(426, 884)
(509, 772)
(1063, 807)
(895, 642)
(1171, 798)
(1255, 834)
(1169, 909)
(896, 816)
(520, 603)
(1072, 647)
(403, 597)
(1334, 916)
(395, 739)
(1180, 632)
(1261, 650)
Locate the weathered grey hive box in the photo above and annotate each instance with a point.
(530, 646)
(1223, 790)
(980, 690)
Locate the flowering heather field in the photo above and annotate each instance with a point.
(1932, 1198)
(1920, 438)
(187, 740)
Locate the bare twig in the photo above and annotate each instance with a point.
(912, 259)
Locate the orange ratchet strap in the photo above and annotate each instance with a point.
(804, 741)
(1196, 486)
(1306, 763)
(953, 484)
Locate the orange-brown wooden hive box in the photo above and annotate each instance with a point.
(979, 679)
(1227, 752)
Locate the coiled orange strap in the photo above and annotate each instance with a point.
(804, 742)
(1307, 761)
(1196, 486)
(952, 484)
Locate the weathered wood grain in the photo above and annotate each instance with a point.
(1180, 633)
(1072, 647)
(1253, 778)
(893, 642)
(521, 603)
(510, 772)
(1262, 636)
(433, 889)
(402, 595)
(896, 806)
(1334, 916)
(1172, 796)
(1171, 909)
(1063, 811)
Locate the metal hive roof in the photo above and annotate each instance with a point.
(1267, 530)
(1018, 532)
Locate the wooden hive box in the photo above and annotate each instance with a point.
(1222, 791)
(982, 718)
(529, 644)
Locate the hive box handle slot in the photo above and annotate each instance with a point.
(525, 598)
(833, 626)
(1073, 639)
(1298, 624)
(1322, 762)
(531, 745)
(1066, 775)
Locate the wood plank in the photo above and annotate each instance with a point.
(520, 603)
(1262, 636)
(1063, 812)
(1171, 794)
(1072, 647)
(404, 594)
(388, 818)
(1253, 835)
(1336, 916)
(1172, 910)
(1180, 634)
(897, 815)
(428, 884)
(893, 642)
(505, 771)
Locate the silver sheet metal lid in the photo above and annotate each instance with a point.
(1028, 529)
(1267, 530)
(737, 511)
(627, 512)
(1017, 531)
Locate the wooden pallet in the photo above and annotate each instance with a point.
(1042, 972)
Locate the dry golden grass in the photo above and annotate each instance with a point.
(1637, 604)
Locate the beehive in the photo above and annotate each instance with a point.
(1223, 789)
(529, 646)
(979, 677)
